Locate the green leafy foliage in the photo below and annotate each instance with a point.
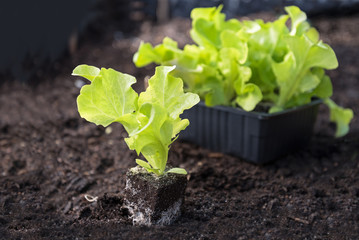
(246, 63)
(341, 116)
(151, 119)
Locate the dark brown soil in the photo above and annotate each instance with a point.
(50, 158)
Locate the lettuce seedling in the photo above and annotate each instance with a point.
(246, 63)
(151, 119)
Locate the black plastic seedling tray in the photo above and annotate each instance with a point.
(254, 136)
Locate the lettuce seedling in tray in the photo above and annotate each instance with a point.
(251, 64)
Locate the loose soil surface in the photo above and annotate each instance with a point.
(50, 158)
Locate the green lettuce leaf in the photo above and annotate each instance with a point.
(167, 91)
(341, 116)
(86, 71)
(108, 97)
(298, 18)
(177, 170)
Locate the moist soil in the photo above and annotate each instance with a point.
(153, 200)
(50, 159)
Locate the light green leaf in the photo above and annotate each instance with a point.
(275, 109)
(231, 40)
(284, 70)
(249, 97)
(250, 27)
(167, 91)
(143, 164)
(341, 116)
(130, 122)
(179, 125)
(157, 155)
(205, 34)
(189, 60)
(245, 73)
(177, 171)
(298, 18)
(146, 166)
(262, 75)
(321, 55)
(214, 92)
(86, 71)
(232, 24)
(205, 13)
(146, 55)
(324, 89)
(300, 47)
(207, 24)
(313, 35)
(166, 131)
(107, 98)
(171, 45)
(308, 82)
(228, 63)
(212, 14)
(161, 54)
(157, 86)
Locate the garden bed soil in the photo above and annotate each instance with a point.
(50, 158)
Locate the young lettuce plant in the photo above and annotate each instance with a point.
(151, 119)
(214, 68)
(246, 63)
